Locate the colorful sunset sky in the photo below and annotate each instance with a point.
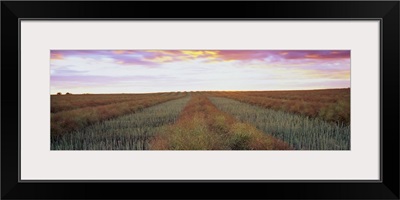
(145, 71)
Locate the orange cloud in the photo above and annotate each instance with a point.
(56, 56)
(193, 54)
(211, 52)
(118, 51)
(312, 56)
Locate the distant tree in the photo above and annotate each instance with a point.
(59, 93)
(67, 93)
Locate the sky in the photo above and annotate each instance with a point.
(147, 71)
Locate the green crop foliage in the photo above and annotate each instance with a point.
(201, 126)
(128, 132)
(301, 132)
(66, 121)
(331, 105)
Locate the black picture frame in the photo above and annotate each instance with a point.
(386, 11)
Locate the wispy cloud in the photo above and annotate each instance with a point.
(172, 70)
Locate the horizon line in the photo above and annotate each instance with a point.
(86, 93)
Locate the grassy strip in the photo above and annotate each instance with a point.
(329, 105)
(129, 132)
(201, 126)
(72, 120)
(299, 131)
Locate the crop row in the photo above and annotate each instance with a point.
(72, 120)
(129, 132)
(201, 126)
(60, 103)
(325, 95)
(334, 107)
(301, 132)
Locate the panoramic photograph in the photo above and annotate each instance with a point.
(200, 99)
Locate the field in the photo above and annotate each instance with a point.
(78, 111)
(330, 105)
(249, 120)
(132, 131)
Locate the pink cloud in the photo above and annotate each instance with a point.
(155, 57)
(278, 55)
